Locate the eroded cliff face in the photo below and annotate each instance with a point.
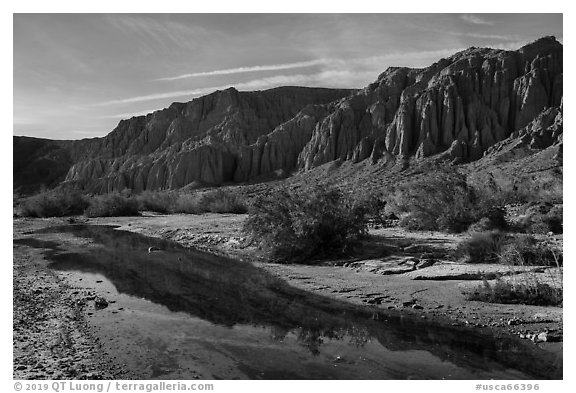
(460, 107)
(203, 140)
(463, 105)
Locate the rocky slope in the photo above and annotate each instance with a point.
(459, 108)
(39, 163)
(463, 105)
(195, 141)
(529, 161)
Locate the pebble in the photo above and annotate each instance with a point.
(100, 303)
(542, 337)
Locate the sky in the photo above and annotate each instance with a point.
(77, 75)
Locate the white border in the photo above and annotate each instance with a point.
(297, 6)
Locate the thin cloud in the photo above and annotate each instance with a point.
(159, 35)
(254, 84)
(303, 64)
(240, 70)
(476, 20)
(499, 37)
(25, 121)
(151, 97)
(353, 73)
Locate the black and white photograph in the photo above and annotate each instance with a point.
(287, 196)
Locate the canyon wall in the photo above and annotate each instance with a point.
(460, 107)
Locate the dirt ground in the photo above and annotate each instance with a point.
(52, 338)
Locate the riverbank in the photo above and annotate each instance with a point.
(51, 336)
(382, 277)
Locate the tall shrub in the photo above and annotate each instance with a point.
(301, 225)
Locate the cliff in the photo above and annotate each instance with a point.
(463, 105)
(200, 140)
(459, 107)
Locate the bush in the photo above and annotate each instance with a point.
(485, 224)
(112, 205)
(482, 247)
(56, 203)
(540, 218)
(156, 201)
(514, 250)
(61, 203)
(554, 219)
(531, 292)
(525, 250)
(298, 225)
(444, 201)
(437, 201)
(187, 203)
(217, 201)
(221, 201)
(490, 213)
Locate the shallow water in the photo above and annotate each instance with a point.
(179, 313)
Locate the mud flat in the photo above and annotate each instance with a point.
(180, 314)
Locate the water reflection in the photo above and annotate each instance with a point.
(229, 292)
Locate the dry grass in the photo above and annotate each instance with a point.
(528, 287)
(509, 249)
(531, 292)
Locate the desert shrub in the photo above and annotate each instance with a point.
(435, 202)
(56, 203)
(533, 292)
(156, 201)
(554, 219)
(482, 247)
(374, 207)
(112, 205)
(483, 225)
(490, 208)
(540, 218)
(187, 203)
(217, 201)
(526, 250)
(444, 201)
(222, 201)
(298, 225)
(517, 250)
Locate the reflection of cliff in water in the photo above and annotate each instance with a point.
(228, 292)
